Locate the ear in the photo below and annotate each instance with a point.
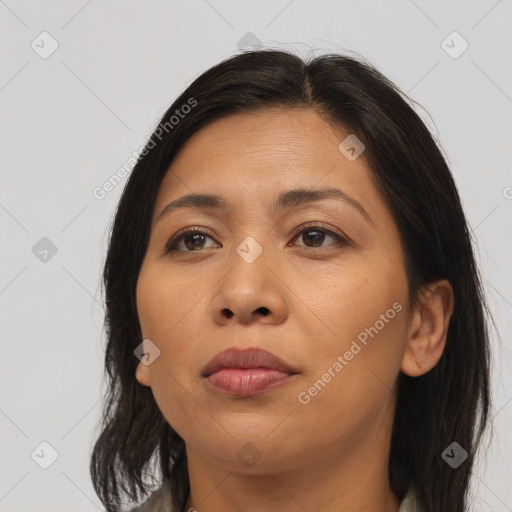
(142, 374)
(428, 328)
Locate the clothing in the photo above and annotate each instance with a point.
(409, 503)
(160, 501)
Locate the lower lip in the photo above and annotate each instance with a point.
(246, 382)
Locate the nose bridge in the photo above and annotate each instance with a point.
(249, 271)
(250, 250)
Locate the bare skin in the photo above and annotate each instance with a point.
(328, 452)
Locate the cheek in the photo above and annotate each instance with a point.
(354, 366)
(164, 303)
(146, 304)
(351, 298)
(361, 315)
(170, 315)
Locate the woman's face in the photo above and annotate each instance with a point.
(333, 309)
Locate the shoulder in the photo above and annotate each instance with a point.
(159, 501)
(410, 503)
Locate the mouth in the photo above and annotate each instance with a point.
(246, 372)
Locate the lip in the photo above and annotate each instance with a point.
(236, 358)
(246, 372)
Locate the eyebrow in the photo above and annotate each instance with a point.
(286, 201)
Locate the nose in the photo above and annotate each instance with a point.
(249, 293)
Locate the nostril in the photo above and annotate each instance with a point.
(227, 313)
(263, 310)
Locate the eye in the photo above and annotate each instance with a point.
(315, 235)
(192, 239)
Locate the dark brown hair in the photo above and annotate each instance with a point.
(449, 403)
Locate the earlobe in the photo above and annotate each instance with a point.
(142, 374)
(428, 328)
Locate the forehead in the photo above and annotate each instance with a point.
(263, 138)
(250, 158)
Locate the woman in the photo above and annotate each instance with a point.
(294, 315)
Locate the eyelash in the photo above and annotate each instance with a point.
(196, 230)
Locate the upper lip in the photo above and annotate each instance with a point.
(246, 358)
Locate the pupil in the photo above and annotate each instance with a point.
(192, 237)
(317, 237)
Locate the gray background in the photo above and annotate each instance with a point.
(70, 120)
